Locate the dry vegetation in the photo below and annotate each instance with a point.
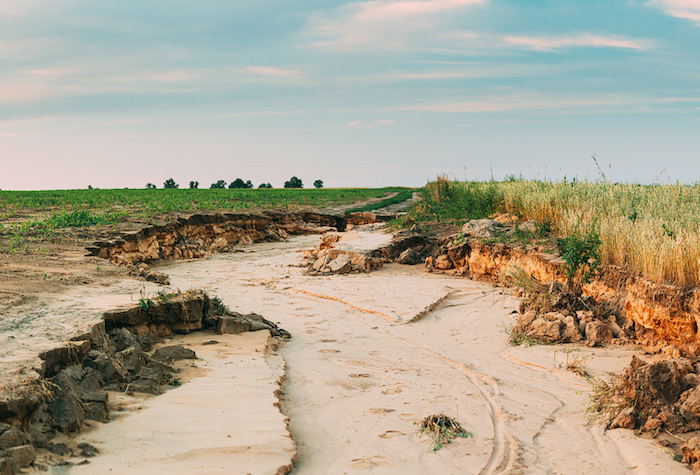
(653, 230)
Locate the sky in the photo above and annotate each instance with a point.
(357, 94)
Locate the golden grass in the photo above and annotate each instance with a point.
(652, 230)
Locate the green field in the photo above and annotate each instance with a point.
(652, 230)
(159, 201)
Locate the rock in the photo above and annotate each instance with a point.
(442, 262)
(321, 262)
(690, 409)
(627, 419)
(340, 265)
(112, 370)
(408, 257)
(23, 455)
(173, 353)
(689, 381)
(545, 330)
(231, 325)
(67, 412)
(598, 332)
(92, 381)
(528, 226)
(95, 406)
(12, 437)
(482, 228)
(59, 448)
(652, 424)
(146, 386)
(429, 264)
(124, 339)
(8, 466)
(218, 244)
(570, 331)
(147, 340)
(131, 358)
(691, 453)
(87, 450)
(154, 373)
(653, 386)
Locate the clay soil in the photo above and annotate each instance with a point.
(371, 356)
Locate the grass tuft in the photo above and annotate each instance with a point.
(443, 430)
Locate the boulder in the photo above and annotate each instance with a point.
(112, 370)
(12, 437)
(131, 358)
(147, 340)
(570, 331)
(545, 330)
(691, 453)
(408, 257)
(340, 265)
(442, 262)
(8, 466)
(627, 419)
(68, 414)
(320, 263)
(598, 332)
(124, 339)
(690, 409)
(173, 353)
(689, 381)
(23, 455)
(482, 228)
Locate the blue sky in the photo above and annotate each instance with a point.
(373, 93)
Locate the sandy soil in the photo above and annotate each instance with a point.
(371, 356)
(367, 362)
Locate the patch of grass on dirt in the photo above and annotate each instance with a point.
(443, 430)
(517, 338)
(403, 194)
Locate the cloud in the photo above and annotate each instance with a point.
(269, 71)
(687, 9)
(553, 43)
(357, 124)
(382, 23)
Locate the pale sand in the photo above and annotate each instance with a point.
(224, 419)
(363, 369)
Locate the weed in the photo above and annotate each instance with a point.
(145, 303)
(581, 253)
(443, 430)
(518, 338)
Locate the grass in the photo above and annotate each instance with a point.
(50, 211)
(402, 194)
(149, 202)
(652, 230)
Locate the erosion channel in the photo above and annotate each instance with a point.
(371, 356)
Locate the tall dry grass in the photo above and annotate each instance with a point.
(653, 230)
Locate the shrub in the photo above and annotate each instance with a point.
(194, 185)
(293, 182)
(170, 184)
(318, 184)
(238, 183)
(581, 253)
(151, 186)
(265, 185)
(218, 184)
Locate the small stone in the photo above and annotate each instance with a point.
(652, 424)
(174, 352)
(626, 419)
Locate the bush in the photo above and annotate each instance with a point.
(170, 184)
(238, 183)
(218, 184)
(265, 185)
(581, 255)
(151, 186)
(293, 182)
(194, 185)
(318, 184)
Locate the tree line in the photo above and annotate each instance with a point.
(238, 183)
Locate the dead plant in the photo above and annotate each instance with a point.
(443, 430)
(536, 296)
(605, 403)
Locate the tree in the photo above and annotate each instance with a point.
(265, 185)
(170, 183)
(318, 183)
(293, 182)
(194, 185)
(238, 183)
(151, 186)
(218, 184)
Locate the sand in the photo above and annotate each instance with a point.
(370, 357)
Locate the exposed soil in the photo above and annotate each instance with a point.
(371, 355)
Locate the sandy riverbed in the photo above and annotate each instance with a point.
(363, 369)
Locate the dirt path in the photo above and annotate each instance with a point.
(369, 359)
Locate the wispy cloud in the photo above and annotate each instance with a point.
(358, 124)
(270, 71)
(688, 9)
(553, 43)
(381, 23)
